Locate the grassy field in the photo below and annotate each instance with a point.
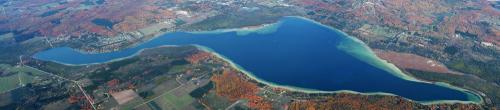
(13, 81)
(163, 104)
(165, 85)
(179, 102)
(18, 79)
(178, 68)
(9, 68)
(131, 104)
(9, 83)
(216, 102)
(171, 102)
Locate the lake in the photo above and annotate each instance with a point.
(299, 53)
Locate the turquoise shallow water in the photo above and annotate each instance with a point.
(299, 53)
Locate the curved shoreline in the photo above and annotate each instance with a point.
(391, 68)
(269, 28)
(306, 90)
(113, 60)
(259, 29)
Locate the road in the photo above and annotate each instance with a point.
(89, 99)
(234, 104)
(145, 102)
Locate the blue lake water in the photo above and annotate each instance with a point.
(299, 53)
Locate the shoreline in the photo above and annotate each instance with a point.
(113, 60)
(391, 68)
(269, 28)
(311, 91)
(259, 29)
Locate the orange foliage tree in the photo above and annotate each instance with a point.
(232, 86)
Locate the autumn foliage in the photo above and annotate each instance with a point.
(367, 102)
(232, 86)
(350, 102)
(195, 58)
(113, 82)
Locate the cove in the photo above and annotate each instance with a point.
(299, 54)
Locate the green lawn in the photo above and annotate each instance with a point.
(216, 102)
(178, 102)
(9, 82)
(131, 104)
(178, 68)
(21, 76)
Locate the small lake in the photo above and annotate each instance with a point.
(298, 53)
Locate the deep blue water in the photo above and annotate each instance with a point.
(300, 53)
